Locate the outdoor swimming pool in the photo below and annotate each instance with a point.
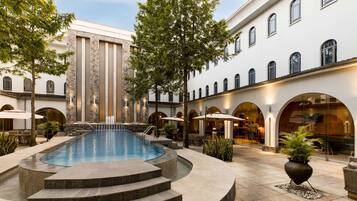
(103, 146)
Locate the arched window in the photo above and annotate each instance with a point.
(207, 65)
(295, 11)
(328, 52)
(193, 95)
(271, 70)
(207, 91)
(200, 93)
(7, 84)
(188, 96)
(225, 84)
(180, 98)
(50, 87)
(65, 88)
(158, 96)
(295, 63)
(272, 24)
(171, 97)
(237, 45)
(226, 52)
(237, 81)
(27, 85)
(251, 76)
(215, 88)
(194, 73)
(252, 36)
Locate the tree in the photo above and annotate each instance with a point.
(146, 59)
(33, 28)
(195, 38)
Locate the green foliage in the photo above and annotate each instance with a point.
(29, 26)
(299, 145)
(174, 37)
(219, 148)
(170, 129)
(8, 144)
(53, 126)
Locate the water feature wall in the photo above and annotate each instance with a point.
(81, 127)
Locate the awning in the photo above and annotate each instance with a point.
(17, 114)
(172, 119)
(218, 116)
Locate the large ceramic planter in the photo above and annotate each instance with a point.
(298, 172)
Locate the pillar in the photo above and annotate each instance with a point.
(201, 127)
(228, 129)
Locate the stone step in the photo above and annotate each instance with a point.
(123, 192)
(168, 195)
(175, 145)
(92, 175)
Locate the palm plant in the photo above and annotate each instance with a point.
(299, 145)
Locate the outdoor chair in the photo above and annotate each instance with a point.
(350, 173)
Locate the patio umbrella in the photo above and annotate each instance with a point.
(173, 119)
(17, 114)
(218, 116)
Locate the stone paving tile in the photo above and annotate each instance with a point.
(259, 172)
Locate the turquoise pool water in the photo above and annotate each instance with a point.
(103, 146)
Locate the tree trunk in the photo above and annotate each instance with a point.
(156, 110)
(33, 120)
(185, 107)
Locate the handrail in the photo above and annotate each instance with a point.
(147, 130)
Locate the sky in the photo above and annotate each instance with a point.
(121, 13)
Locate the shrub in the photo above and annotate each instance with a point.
(170, 130)
(51, 128)
(219, 148)
(298, 145)
(8, 144)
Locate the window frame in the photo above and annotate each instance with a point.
(237, 81)
(48, 91)
(291, 68)
(200, 93)
(323, 51)
(7, 83)
(27, 85)
(252, 43)
(251, 76)
(215, 88)
(237, 48)
(270, 33)
(326, 4)
(225, 84)
(207, 90)
(271, 75)
(293, 21)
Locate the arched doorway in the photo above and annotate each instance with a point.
(6, 124)
(213, 110)
(158, 116)
(251, 130)
(326, 117)
(193, 123)
(51, 114)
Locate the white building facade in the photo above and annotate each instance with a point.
(292, 64)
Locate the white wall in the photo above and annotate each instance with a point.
(317, 25)
(340, 84)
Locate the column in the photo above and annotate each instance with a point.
(201, 127)
(228, 129)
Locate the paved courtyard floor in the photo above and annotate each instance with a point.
(259, 172)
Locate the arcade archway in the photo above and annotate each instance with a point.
(6, 124)
(51, 114)
(157, 116)
(326, 117)
(251, 130)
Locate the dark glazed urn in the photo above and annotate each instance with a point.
(298, 172)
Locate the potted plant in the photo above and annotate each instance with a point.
(50, 128)
(170, 130)
(299, 147)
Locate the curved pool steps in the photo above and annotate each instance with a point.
(116, 173)
(89, 182)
